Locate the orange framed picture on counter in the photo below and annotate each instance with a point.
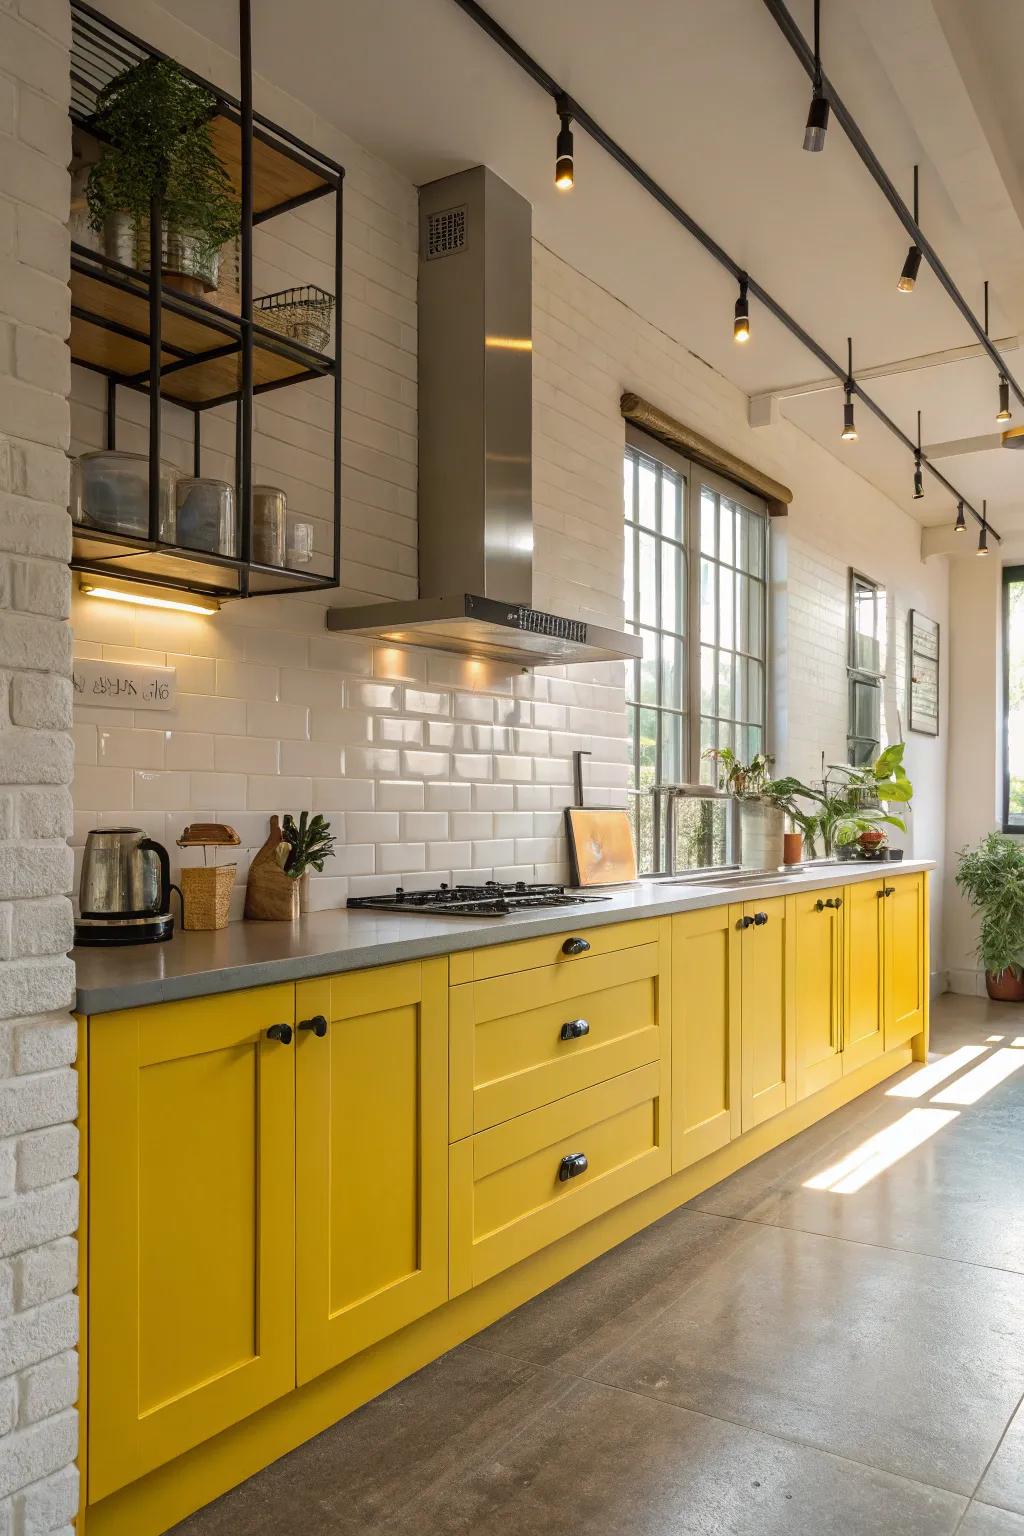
(601, 845)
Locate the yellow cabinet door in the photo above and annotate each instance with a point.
(768, 1077)
(371, 1157)
(905, 910)
(705, 1033)
(864, 1013)
(817, 939)
(191, 1225)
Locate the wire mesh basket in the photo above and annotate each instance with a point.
(302, 314)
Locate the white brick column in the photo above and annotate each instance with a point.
(38, 1140)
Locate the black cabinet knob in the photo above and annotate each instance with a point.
(282, 1032)
(838, 903)
(572, 1166)
(819, 905)
(745, 921)
(575, 946)
(890, 890)
(572, 1029)
(317, 1024)
(760, 918)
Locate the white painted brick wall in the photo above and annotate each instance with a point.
(38, 1142)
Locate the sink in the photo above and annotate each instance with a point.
(731, 879)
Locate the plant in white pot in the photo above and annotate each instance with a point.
(154, 123)
(991, 877)
(762, 805)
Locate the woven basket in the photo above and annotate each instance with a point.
(206, 896)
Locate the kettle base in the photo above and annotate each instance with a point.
(136, 930)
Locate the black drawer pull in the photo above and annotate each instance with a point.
(282, 1032)
(576, 946)
(573, 1029)
(760, 918)
(317, 1024)
(890, 890)
(572, 1166)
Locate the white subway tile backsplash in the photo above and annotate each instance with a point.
(371, 826)
(247, 680)
(444, 857)
(373, 696)
(125, 747)
(448, 797)
(219, 791)
(188, 749)
(424, 765)
(372, 762)
(166, 791)
(344, 794)
(472, 824)
(493, 797)
(239, 754)
(316, 758)
(419, 701)
(397, 858)
(278, 793)
(400, 795)
(281, 721)
(425, 826)
(409, 733)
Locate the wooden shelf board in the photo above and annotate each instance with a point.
(277, 176)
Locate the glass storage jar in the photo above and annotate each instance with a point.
(269, 524)
(300, 541)
(206, 517)
(110, 490)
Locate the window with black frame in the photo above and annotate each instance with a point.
(866, 668)
(696, 591)
(1013, 698)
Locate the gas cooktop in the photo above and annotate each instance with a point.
(490, 900)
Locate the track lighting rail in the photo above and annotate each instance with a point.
(582, 119)
(791, 32)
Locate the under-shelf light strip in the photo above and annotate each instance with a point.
(582, 119)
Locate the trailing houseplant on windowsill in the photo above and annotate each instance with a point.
(991, 876)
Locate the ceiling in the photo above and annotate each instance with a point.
(711, 101)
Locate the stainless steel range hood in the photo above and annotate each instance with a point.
(475, 425)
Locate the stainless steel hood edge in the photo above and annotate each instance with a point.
(475, 501)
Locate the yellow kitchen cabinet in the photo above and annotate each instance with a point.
(864, 1009)
(905, 909)
(525, 1183)
(191, 1322)
(768, 1076)
(706, 1021)
(818, 982)
(371, 1070)
(521, 1041)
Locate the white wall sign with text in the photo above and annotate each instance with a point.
(124, 685)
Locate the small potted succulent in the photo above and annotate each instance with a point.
(154, 123)
(991, 877)
(763, 802)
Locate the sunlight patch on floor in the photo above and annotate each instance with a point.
(982, 1078)
(881, 1151)
(936, 1072)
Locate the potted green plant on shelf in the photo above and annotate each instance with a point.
(763, 802)
(309, 843)
(155, 126)
(851, 804)
(991, 877)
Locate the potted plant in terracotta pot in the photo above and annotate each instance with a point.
(154, 123)
(991, 876)
(763, 802)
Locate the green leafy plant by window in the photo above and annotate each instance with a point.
(155, 124)
(991, 876)
(309, 844)
(848, 801)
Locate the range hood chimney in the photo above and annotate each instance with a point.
(475, 425)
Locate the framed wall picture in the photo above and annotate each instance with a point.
(923, 674)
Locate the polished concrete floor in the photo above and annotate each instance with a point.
(829, 1343)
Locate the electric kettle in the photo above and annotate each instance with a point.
(124, 896)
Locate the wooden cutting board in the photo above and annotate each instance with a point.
(601, 845)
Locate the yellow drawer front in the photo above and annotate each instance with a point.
(508, 1200)
(553, 949)
(523, 1041)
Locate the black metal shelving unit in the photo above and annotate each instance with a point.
(127, 325)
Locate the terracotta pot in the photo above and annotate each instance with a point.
(1005, 988)
(792, 847)
(874, 837)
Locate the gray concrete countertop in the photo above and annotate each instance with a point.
(255, 954)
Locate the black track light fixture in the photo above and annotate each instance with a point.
(817, 117)
(849, 425)
(912, 265)
(918, 472)
(741, 314)
(960, 526)
(565, 173)
(983, 535)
